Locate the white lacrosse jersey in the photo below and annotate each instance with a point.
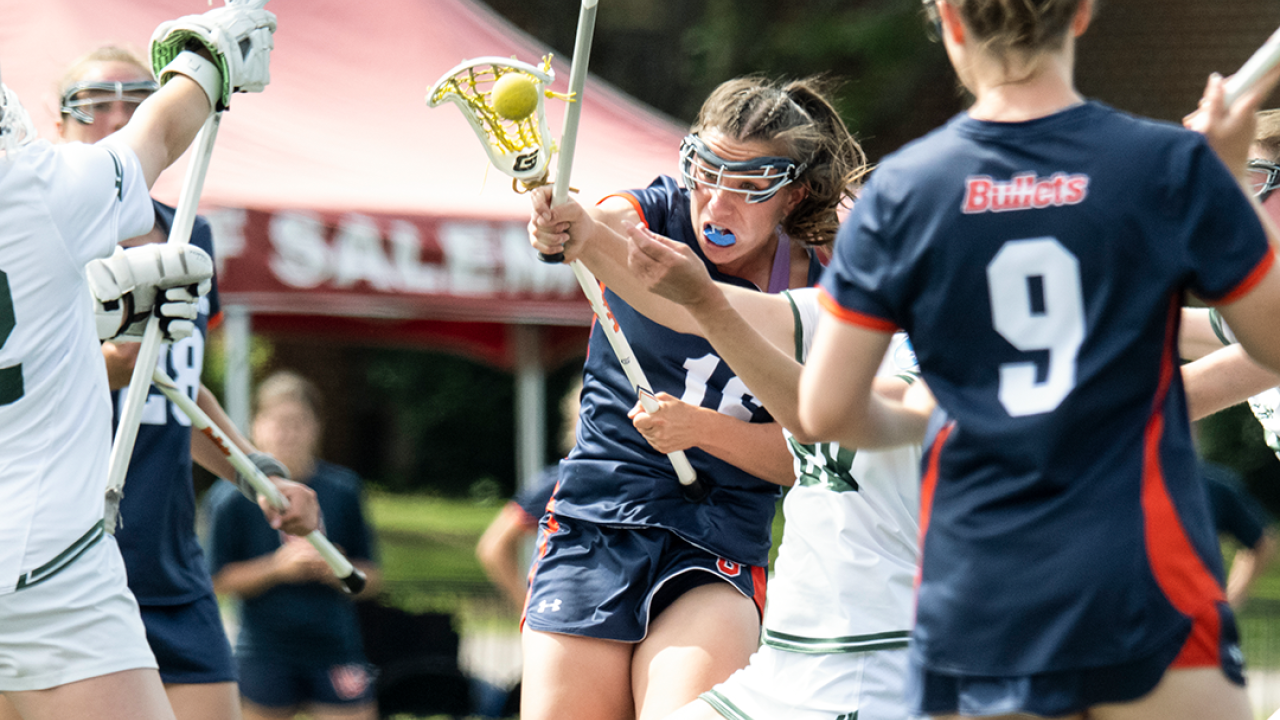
(60, 206)
(845, 573)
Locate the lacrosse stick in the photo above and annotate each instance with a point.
(1258, 64)
(474, 98)
(149, 352)
(352, 579)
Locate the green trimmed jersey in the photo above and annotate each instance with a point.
(845, 573)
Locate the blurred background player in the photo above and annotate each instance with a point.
(1238, 516)
(1068, 557)
(299, 648)
(73, 642)
(640, 600)
(166, 567)
(503, 547)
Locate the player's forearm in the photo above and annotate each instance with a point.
(757, 448)
(769, 373)
(165, 124)
(499, 552)
(248, 578)
(207, 452)
(1223, 378)
(1196, 337)
(605, 255)
(1248, 565)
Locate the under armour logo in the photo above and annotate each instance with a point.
(552, 605)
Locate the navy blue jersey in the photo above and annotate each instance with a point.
(158, 539)
(294, 620)
(1235, 512)
(613, 475)
(1039, 267)
(532, 500)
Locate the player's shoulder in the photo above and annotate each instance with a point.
(337, 477)
(662, 204)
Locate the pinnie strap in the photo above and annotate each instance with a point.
(198, 68)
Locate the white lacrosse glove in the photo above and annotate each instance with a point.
(167, 279)
(239, 37)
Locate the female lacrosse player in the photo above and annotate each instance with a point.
(1037, 249)
(71, 640)
(299, 647)
(166, 568)
(641, 599)
(840, 605)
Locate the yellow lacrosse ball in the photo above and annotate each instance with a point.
(515, 96)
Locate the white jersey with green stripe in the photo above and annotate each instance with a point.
(845, 574)
(60, 207)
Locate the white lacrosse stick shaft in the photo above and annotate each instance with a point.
(1258, 64)
(140, 381)
(353, 580)
(591, 286)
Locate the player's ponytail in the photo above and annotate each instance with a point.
(1025, 27)
(836, 163)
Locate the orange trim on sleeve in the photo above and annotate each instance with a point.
(853, 317)
(1253, 278)
(631, 199)
(214, 322)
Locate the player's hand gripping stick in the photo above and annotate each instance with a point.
(352, 579)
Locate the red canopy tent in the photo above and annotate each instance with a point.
(342, 206)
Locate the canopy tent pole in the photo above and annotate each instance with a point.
(237, 330)
(530, 411)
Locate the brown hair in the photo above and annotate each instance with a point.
(570, 408)
(1023, 26)
(800, 118)
(286, 385)
(1267, 135)
(106, 53)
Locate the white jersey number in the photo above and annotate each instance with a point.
(1037, 305)
(10, 377)
(185, 359)
(733, 398)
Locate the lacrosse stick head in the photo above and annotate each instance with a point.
(16, 128)
(520, 147)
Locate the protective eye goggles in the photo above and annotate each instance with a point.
(97, 93)
(1262, 186)
(758, 178)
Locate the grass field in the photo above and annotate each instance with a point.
(428, 556)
